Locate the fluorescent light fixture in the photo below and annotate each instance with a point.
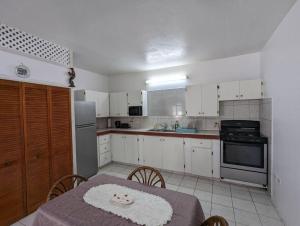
(166, 80)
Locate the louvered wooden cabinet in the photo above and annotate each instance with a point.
(35, 145)
(12, 200)
(61, 143)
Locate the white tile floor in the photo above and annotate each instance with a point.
(240, 205)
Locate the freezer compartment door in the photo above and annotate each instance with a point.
(86, 151)
(85, 113)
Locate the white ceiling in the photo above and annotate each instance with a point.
(120, 36)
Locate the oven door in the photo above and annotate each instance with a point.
(244, 156)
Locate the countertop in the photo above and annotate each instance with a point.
(202, 134)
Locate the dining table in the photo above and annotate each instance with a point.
(70, 209)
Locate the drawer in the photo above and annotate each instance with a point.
(202, 143)
(105, 158)
(104, 148)
(104, 139)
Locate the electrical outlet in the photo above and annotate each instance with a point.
(277, 179)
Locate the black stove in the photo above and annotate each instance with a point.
(244, 152)
(241, 130)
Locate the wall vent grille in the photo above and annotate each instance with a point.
(22, 42)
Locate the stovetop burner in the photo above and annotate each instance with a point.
(242, 131)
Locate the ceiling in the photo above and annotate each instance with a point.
(121, 36)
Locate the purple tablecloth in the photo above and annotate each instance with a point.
(70, 209)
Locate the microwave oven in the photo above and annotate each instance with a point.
(135, 111)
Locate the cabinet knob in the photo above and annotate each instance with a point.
(37, 156)
(7, 163)
(236, 95)
(193, 150)
(242, 95)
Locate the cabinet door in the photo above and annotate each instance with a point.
(118, 104)
(131, 149)
(173, 154)
(37, 131)
(193, 99)
(61, 137)
(113, 104)
(250, 89)
(123, 104)
(210, 100)
(12, 177)
(103, 104)
(201, 162)
(135, 98)
(229, 90)
(117, 148)
(152, 151)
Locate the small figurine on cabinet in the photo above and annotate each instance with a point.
(72, 75)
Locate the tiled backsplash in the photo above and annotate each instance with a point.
(229, 110)
(240, 110)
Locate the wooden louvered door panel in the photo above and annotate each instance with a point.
(61, 136)
(37, 138)
(12, 199)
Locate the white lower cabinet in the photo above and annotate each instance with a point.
(164, 153)
(125, 148)
(117, 148)
(198, 157)
(195, 156)
(103, 150)
(201, 162)
(152, 151)
(173, 154)
(131, 149)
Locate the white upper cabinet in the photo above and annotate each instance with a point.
(229, 90)
(240, 90)
(193, 100)
(102, 104)
(101, 100)
(135, 98)
(210, 104)
(138, 98)
(202, 100)
(118, 104)
(250, 89)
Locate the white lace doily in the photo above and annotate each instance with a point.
(147, 209)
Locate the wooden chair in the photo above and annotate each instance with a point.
(64, 184)
(147, 175)
(215, 221)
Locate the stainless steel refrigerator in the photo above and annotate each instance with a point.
(86, 138)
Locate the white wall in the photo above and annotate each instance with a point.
(227, 69)
(281, 72)
(42, 72)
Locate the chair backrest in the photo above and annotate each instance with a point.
(147, 175)
(64, 184)
(215, 221)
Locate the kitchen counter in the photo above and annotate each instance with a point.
(202, 134)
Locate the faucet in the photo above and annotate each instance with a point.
(176, 125)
